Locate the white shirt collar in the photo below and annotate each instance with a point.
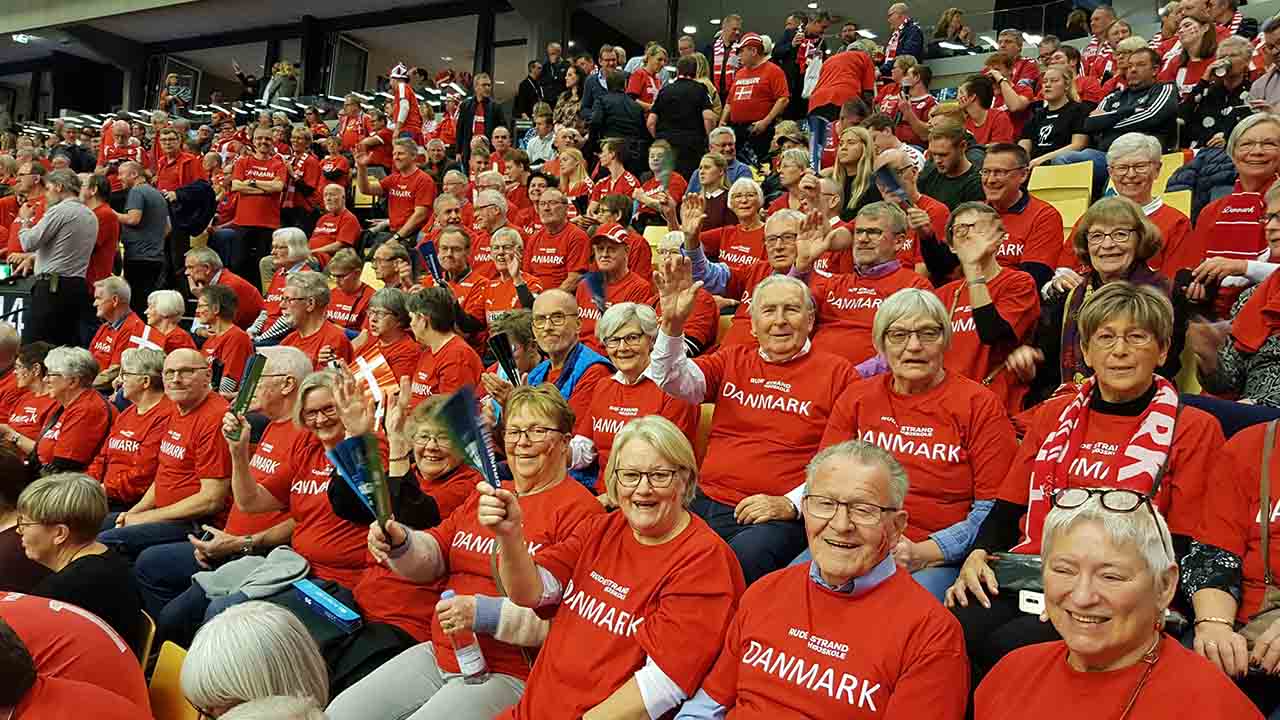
(803, 351)
(1151, 207)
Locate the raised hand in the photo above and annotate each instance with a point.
(513, 263)
(812, 241)
(676, 292)
(398, 411)
(692, 212)
(355, 405)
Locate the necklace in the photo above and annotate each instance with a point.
(1150, 658)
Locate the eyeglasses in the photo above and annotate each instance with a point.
(630, 340)
(1133, 338)
(1112, 499)
(780, 239)
(959, 229)
(1119, 237)
(869, 233)
(23, 523)
(533, 434)
(999, 174)
(330, 411)
(1135, 169)
(1269, 218)
(440, 439)
(184, 373)
(859, 513)
(550, 203)
(552, 320)
(1268, 145)
(926, 335)
(661, 478)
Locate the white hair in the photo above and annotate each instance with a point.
(786, 280)
(746, 183)
(905, 303)
(169, 303)
(276, 707)
(74, 362)
(865, 454)
(299, 249)
(1144, 530)
(115, 286)
(286, 360)
(622, 313)
(720, 131)
(1134, 143)
(493, 197)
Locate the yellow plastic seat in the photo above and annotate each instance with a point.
(360, 201)
(1071, 209)
(369, 277)
(1062, 182)
(148, 638)
(1169, 163)
(707, 411)
(1188, 380)
(654, 235)
(167, 700)
(1179, 200)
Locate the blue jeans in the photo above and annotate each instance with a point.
(1093, 155)
(181, 618)
(131, 540)
(163, 573)
(761, 548)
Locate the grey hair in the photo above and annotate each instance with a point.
(910, 302)
(1248, 124)
(622, 313)
(795, 156)
(9, 339)
(794, 216)
(65, 179)
(887, 211)
(453, 175)
(865, 454)
(206, 256)
(504, 233)
(394, 301)
(1143, 529)
(73, 362)
(1011, 33)
(490, 176)
(1236, 45)
(493, 197)
(116, 286)
(746, 183)
(715, 132)
(1134, 143)
(319, 380)
(148, 362)
(249, 651)
(313, 285)
(276, 707)
(286, 360)
(169, 303)
(787, 280)
(297, 241)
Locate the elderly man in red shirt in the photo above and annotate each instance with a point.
(194, 473)
(409, 191)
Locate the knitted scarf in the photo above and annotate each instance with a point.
(1136, 467)
(723, 66)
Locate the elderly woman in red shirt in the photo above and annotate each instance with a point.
(126, 465)
(79, 427)
(290, 253)
(163, 331)
(33, 407)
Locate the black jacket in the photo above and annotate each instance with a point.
(553, 78)
(195, 207)
(1152, 110)
(530, 93)
(1210, 108)
(617, 115)
(493, 117)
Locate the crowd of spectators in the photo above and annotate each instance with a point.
(774, 347)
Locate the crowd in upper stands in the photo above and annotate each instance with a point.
(810, 395)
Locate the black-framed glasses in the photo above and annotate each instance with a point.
(926, 335)
(1000, 173)
(870, 233)
(658, 478)
(554, 320)
(780, 239)
(630, 340)
(532, 434)
(1119, 500)
(859, 513)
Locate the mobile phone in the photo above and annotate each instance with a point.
(206, 536)
(1031, 602)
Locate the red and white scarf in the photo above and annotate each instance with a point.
(1134, 468)
(891, 47)
(724, 65)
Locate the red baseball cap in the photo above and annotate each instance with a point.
(611, 231)
(750, 39)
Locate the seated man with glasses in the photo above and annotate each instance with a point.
(193, 476)
(306, 296)
(913, 665)
(1124, 429)
(350, 296)
(560, 253)
(1034, 227)
(204, 267)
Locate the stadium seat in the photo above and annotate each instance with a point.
(1071, 209)
(369, 277)
(708, 411)
(148, 638)
(1052, 183)
(167, 700)
(1168, 164)
(1179, 200)
(654, 235)
(1188, 379)
(361, 201)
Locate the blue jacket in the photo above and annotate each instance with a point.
(1206, 176)
(910, 42)
(580, 359)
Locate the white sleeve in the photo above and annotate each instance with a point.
(1259, 271)
(552, 590)
(674, 372)
(403, 113)
(660, 693)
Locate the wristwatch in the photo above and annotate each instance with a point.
(248, 545)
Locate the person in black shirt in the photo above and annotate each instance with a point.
(682, 116)
(1216, 103)
(531, 92)
(58, 518)
(1055, 133)
(616, 115)
(18, 573)
(949, 177)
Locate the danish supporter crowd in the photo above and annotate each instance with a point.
(805, 399)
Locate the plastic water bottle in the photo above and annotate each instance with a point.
(466, 649)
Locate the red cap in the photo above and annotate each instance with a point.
(611, 231)
(750, 39)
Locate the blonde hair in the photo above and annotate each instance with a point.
(865, 169)
(318, 380)
(1069, 79)
(579, 174)
(72, 499)
(718, 160)
(545, 400)
(1147, 307)
(668, 444)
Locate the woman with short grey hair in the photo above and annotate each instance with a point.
(963, 428)
(251, 651)
(84, 417)
(626, 331)
(1134, 163)
(164, 314)
(793, 164)
(126, 465)
(290, 254)
(389, 333)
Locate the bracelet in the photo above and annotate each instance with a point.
(402, 457)
(1221, 620)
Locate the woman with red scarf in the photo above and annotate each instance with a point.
(1124, 428)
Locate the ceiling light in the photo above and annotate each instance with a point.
(867, 34)
(813, 6)
(447, 58)
(690, 29)
(571, 43)
(951, 46)
(714, 21)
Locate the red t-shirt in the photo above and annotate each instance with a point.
(909, 248)
(754, 92)
(173, 173)
(406, 193)
(328, 335)
(109, 342)
(643, 86)
(452, 367)
(334, 547)
(631, 288)
(69, 643)
(401, 356)
(353, 129)
(259, 210)
(737, 248)
(1229, 227)
(997, 129)
(954, 440)
(1016, 300)
(1195, 457)
(585, 388)
(1175, 228)
(1020, 118)
(127, 463)
(626, 604)
(623, 185)
(273, 466)
(338, 166)
(38, 204)
(1035, 234)
(795, 649)
(308, 167)
(192, 448)
(844, 77)
(31, 413)
(499, 295)
(846, 307)
(79, 432)
(615, 403)
(1185, 76)
(348, 311)
(550, 257)
(768, 420)
(54, 699)
(233, 348)
(249, 298)
(330, 228)
(550, 518)
(9, 392)
(676, 187)
(413, 119)
(380, 154)
(1037, 681)
(274, 297)
(105, 248)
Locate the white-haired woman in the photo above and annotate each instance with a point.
(1110, 573)
(79, 427)
(290, 253)
(127, 462)
(251, 651)
(163, 331)
(1220, 99)
(951, 434)
(626, 331)
(666, 577)
(738, 245)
